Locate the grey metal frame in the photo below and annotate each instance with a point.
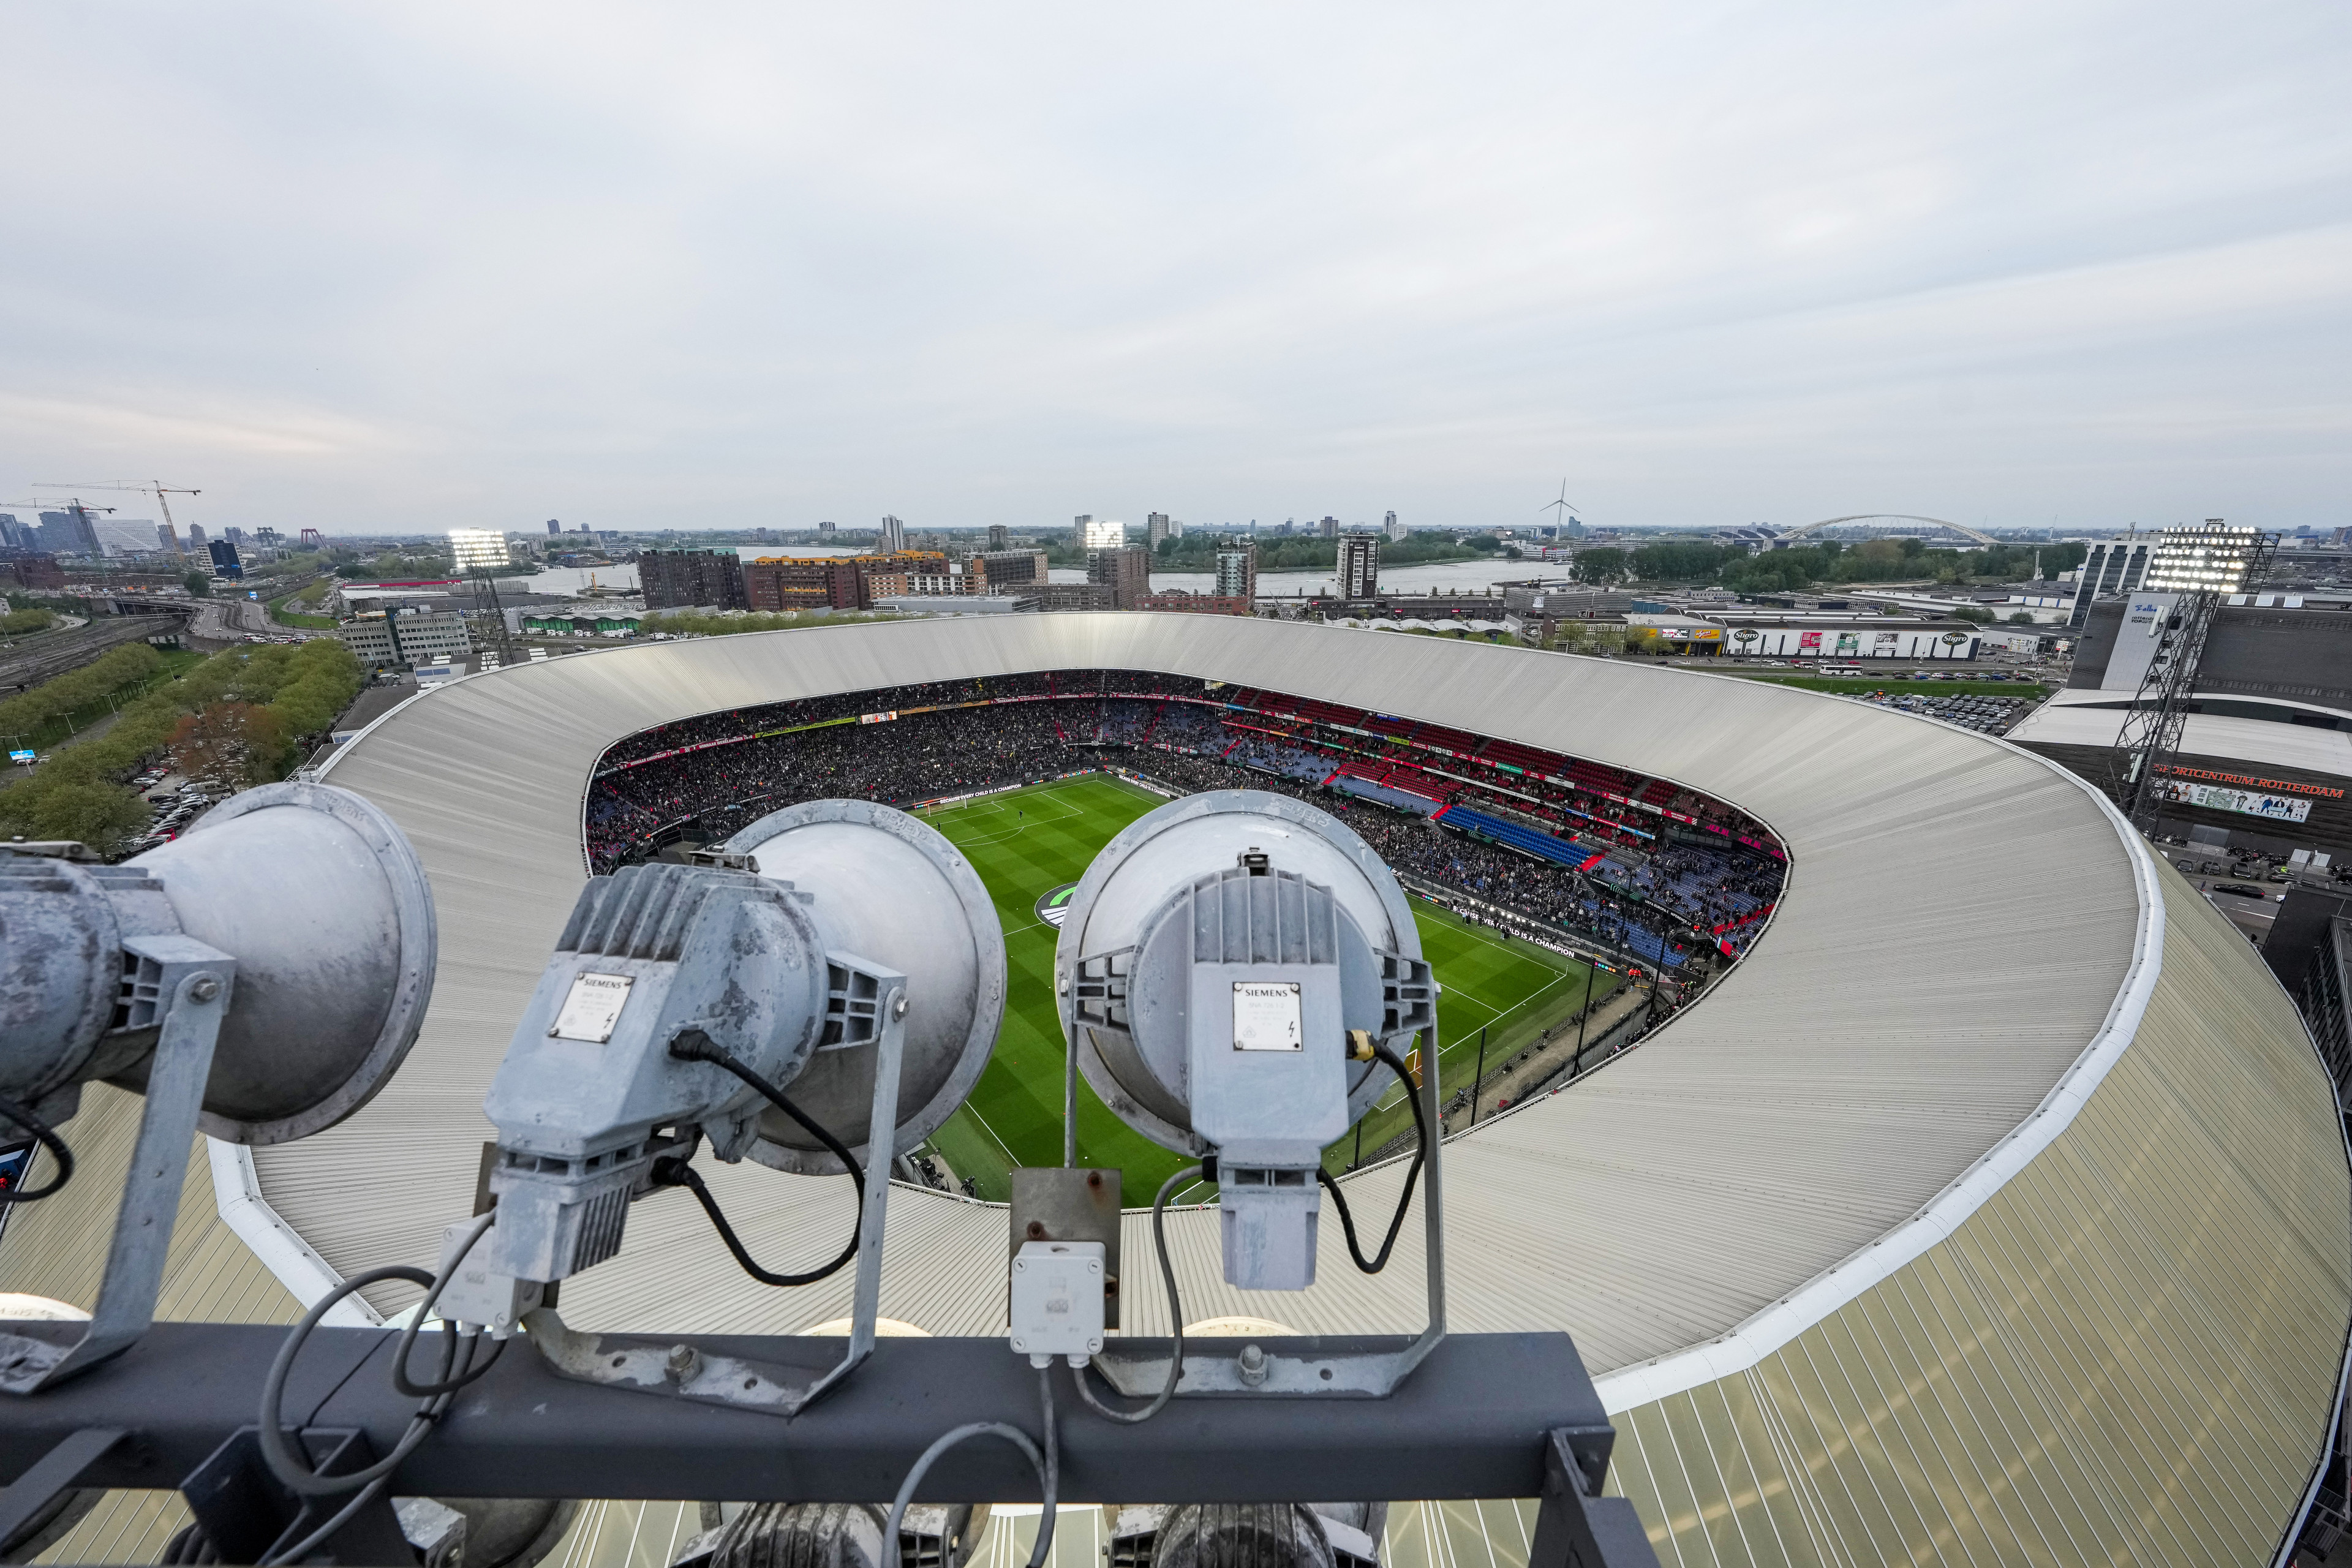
(197, 979)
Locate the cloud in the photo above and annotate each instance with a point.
(413, 266)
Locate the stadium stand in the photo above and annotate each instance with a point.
(703, 779)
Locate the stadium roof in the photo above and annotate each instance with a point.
(1994, 1209)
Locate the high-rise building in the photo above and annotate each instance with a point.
(225, 563)
(825, 531)
(195, 536)
(1393, 528)
(70, 533)
(999, 536)
(1359, 566)
(1237, 573)
(688, 579)
(234, 535)
(894, 536)
(1159, 526)
(553, 526)
(1108, 534)
(1329, 528)
(475, 549)
(15, 535)
(1125, 570)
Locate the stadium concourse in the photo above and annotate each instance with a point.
(1994, 1208)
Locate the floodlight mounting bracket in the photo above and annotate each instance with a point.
(1354, 1368)
(678, 1368)
(185, 984)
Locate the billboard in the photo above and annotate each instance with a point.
(23, 756)
(2246, 801)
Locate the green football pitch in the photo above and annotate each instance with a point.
(1026, 843)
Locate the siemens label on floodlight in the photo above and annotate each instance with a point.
(838, 949)
(1217, 958)
(255, 1006)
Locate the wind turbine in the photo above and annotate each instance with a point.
(1566, 509)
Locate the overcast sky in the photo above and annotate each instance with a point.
(418, 266)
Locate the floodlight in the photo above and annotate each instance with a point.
(838, 949)
(260, 978)
(1230, 967)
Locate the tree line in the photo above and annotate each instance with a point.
(241, 716)
(1828, 560)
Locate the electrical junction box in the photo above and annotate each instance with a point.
(479, 1293)
(1057, 1301)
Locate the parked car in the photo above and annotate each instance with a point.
(2243, 890)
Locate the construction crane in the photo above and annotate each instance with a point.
(158, 490)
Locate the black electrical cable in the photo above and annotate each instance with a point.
(12, 1111)
(669, 1171)
(1404, 1200)
(693, 1046)
(1175, 1317)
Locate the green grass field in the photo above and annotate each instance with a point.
(1027, 842)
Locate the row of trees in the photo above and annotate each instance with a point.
(23, 718)
(1829, 561)
(241, 717)
(17, 622)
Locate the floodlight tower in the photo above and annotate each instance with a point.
(2194, 567)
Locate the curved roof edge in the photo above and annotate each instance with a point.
(1833, 1287)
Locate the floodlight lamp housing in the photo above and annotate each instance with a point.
(311, 890)
(1215, 958)
(788, 970)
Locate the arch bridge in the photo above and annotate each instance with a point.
(1964, 532)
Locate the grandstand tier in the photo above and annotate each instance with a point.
(1993, 1209)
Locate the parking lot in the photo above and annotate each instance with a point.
(177, 800)
(1990, 714)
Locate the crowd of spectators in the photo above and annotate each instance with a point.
(705, 777)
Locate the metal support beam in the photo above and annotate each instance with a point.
(56, 1472)
(1473, 1421)
(1577, 1528)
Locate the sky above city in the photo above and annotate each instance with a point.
(418, 266)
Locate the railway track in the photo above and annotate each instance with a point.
(47, 655)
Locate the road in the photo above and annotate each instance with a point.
(227, 620)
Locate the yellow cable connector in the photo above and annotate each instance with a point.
(1360, 1045)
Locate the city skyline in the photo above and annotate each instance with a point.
(2018, 267)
